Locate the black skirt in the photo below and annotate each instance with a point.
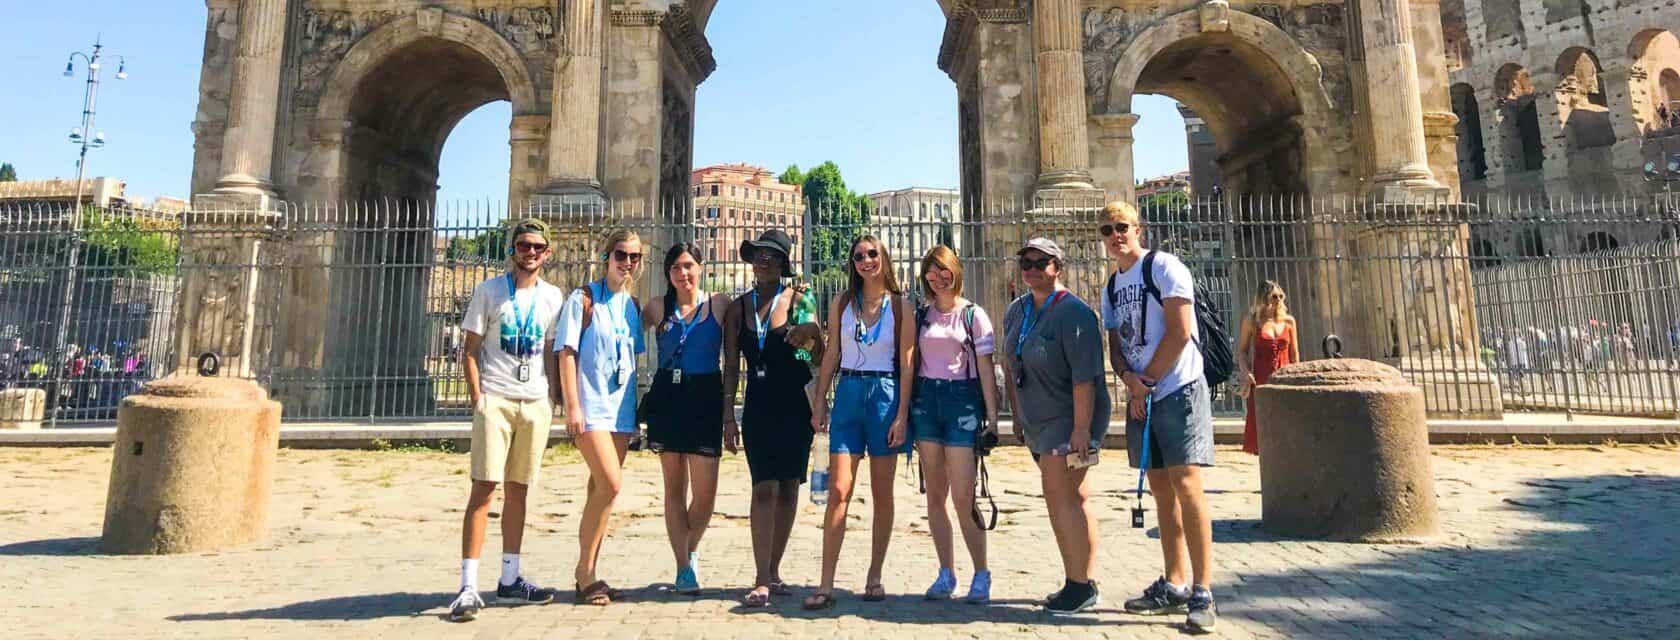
(776, 430)
(685, 417)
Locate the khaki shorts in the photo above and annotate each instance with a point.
(508, 439)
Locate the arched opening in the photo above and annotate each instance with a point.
(1248, 104)
(1599, 241)
(1656, 104)
(1531, 244)
(1483, 254)
(1581, 102)
(1519, 121)
(1472, 154)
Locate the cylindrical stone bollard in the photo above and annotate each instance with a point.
(22, 408)
(1344, 454)
(193, 466)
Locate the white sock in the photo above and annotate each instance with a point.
(510, 568)
(469, 573)
(1179, 590)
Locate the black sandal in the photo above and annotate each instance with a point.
(598, 594)
(819, 601)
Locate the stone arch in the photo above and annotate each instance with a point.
(1518, 120)
(1472, 151)
(1582, 108)
(393, 99)
(1266, 63)
(1599, 241)
(1656, 99)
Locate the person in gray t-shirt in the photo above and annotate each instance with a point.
(1053, 372)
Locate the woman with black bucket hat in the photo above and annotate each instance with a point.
(764, 325)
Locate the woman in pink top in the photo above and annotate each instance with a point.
(955, 401)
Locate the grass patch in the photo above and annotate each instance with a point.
(420, 446)
(563, 451)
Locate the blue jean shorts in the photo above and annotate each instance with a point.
(947, 412)
(864, 409)
(1180, 430)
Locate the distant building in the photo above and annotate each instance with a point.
(57, 196)
(1174, 183)
(912, 220)
(735, 202)
(1204, 155)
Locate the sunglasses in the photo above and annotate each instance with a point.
(1111, 229)
(765, 257)
(1029, 264)
(1275, 296)
(625, 256)
(530, 247)
(859, 256)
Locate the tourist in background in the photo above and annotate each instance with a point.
(871, 346)
(684, 426)
(763, 326)
(599, 335)
(955, 401)
(1268, 342)
(1150, 330)
(1054, 377)
(509, 380)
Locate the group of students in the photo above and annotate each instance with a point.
(906, 377)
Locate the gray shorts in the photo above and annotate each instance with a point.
(1180, 430)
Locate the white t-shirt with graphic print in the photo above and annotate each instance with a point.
(490, 313)
(1123, 314)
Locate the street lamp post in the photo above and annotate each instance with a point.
(1665, 168)
(86, 138)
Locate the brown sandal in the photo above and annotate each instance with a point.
(874, 593)
(598, 594)
(819, 601)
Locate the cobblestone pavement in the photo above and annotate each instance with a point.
(1541, 542)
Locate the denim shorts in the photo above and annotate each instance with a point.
(947, 412)
(1180, 430)
(864, 409)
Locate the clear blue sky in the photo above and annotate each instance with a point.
(797, 82)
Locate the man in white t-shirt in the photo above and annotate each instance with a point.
(1151, 347)
(508, 357)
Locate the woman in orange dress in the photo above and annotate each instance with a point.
(1268, 342)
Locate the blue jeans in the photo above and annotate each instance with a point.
(864, 409)
(947, 412)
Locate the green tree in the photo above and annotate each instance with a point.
(487, 247)
(117, 245)
(7, 173)
(1167, 205)
(837, 215)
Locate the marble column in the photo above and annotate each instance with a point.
(253, 107)
(527, 139)
(574, 133)
(1111, 166)
(1400, 157)
(1552, 107)
(1627, 154)
(1064, 153)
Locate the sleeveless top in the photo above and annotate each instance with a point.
(701, 353)
(783, 370)
(864, 355)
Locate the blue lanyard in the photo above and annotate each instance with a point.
(522, 324)
(620, 323)
(1028, 322)
(763, 324)
(687, 328)
(857, 320)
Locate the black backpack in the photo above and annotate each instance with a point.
(1217, 362)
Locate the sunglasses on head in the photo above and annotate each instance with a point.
(1111, 229)
(533, 247)
(859, 256)
(1029, 264)
(625, 256)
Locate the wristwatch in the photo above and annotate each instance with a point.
(1146, 382)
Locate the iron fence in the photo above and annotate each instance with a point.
(352, 311)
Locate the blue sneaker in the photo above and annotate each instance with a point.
(980, 588)
(522, 592)
(688, 583)
(1203, 617)
(943, 586)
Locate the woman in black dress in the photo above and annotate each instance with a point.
(764, 325)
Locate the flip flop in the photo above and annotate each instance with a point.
(598, 594)
(755, 599)
(819, 601)
(874, 593)
(777, 587)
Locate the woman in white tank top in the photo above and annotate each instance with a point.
(871, 342)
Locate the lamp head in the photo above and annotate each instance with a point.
(69, 69)
(122, 72)
(93, 66)
(76, 136)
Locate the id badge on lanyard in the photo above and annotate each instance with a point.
(522, 325)
(762, 325)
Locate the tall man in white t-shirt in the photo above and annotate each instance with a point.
(508, 357)
(1150, 345)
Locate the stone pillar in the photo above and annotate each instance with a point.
(248, 142)
(1552, 113)
(633, 97)
(1111, 155)
(1627, 155)
(221, 309)
(1064, 154)
(1434, 94)
(574, 132)
(1400, 158)
(527, 171)
(1493, 114)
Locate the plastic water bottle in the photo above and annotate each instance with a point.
(819, 469)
